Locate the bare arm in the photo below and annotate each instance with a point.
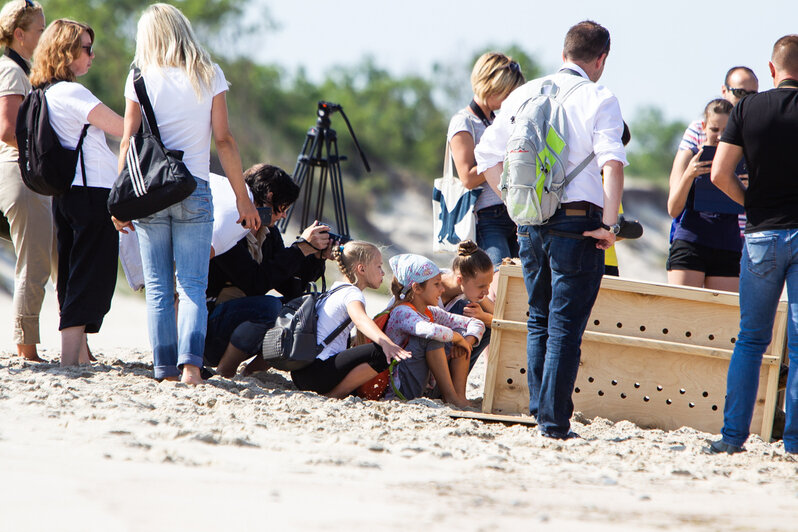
(106, 119)
(227, 149)
(130, 124)
(370, 329)
(462, 146)
(493, 176)
(9, 107)
(723, 168)
(686, 168)
(613, 190)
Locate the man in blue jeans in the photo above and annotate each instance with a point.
(563, 259)
(764, 126)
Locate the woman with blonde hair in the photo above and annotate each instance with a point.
(88, 246)
(493, 78)
(28, 213)
(187, 92)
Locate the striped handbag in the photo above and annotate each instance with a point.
(154, 177)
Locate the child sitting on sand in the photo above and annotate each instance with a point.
(428, 332)
(466, 287)
(337, 371)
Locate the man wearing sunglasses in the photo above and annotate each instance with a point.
(740, 81)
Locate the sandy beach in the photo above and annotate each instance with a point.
(108, 448)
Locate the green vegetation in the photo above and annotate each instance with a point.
(654, 143)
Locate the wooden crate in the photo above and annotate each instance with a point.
(653, 354)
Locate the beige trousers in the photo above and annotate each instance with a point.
(31, 220)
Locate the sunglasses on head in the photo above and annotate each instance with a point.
(739, 93)
(29, 3)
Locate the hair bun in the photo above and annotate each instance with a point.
(466, 248)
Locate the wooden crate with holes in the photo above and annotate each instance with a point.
(653, 354)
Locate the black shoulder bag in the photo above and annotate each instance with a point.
(154, 177)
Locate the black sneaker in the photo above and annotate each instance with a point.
(559, 436)
(720, 446)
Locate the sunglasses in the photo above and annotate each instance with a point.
(29, 3)
(739, 93)
(89, 49)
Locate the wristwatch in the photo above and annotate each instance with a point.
(614, 228)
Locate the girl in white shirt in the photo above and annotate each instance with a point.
(88, 246)
(337, 371)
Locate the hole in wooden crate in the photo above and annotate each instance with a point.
(714, 407)
(705, 394)
(615, 383)
(619, 324)
(637, 385)
(596, 322)
(522, 370)
(711, 336)
(664, 331)
(642, 328)
(668, 401)
(682, 391)
(577, 390)
(646, 398)
(688, 334)
(691, 405)
(590, 379)
(659, 388)
(509, 381)
(733, 340)
(601, 394)
(623, 396)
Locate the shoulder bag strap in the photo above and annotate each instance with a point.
(148, 117)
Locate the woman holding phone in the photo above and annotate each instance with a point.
(706, 246)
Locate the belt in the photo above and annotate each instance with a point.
(579, 208)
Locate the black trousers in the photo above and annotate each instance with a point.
(323, 375)
(88, 257)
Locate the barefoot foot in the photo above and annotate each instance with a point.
(191, 375)
(28, 352)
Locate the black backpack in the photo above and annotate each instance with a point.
(291, 344)
(47, 167)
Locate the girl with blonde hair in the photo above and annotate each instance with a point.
(28, 213)
(493, 78)
(88, 246)
(187, 91)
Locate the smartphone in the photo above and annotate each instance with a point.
(265, 214)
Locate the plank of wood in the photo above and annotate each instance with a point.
(494, 418)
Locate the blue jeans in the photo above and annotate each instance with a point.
(176, 244)
(226, 317)
(496, 233)
(769, 259)
(562, 274)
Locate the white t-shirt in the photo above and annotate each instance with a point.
(69, 105)
(465, 120)
(226, 232)
(184, 121)
(332, 314)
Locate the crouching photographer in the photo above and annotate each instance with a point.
(240, 277)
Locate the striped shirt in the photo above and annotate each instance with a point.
(694, 137)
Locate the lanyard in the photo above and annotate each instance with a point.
(14, 56)
(478, 111)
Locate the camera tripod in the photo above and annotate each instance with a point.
(320, 150)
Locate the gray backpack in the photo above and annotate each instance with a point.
(533, 179)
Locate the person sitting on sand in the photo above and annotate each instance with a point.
(430, 333)
(466, 287)
(239, 278)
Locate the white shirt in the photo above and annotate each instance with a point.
(184, 120)
(69, 105)
(332, 314)
(594, 125)
(226, 232)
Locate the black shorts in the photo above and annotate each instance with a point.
(323, 375)
(685, 255)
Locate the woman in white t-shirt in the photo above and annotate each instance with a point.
(187, 91)
(88, 246)
(493, 78)
(337, 371)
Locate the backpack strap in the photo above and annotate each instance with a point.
(79, 149)
(338, 330)
(148, 119)
(581, 166)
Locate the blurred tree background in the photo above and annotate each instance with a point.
(400, 120)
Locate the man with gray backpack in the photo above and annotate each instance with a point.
(545, 154)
